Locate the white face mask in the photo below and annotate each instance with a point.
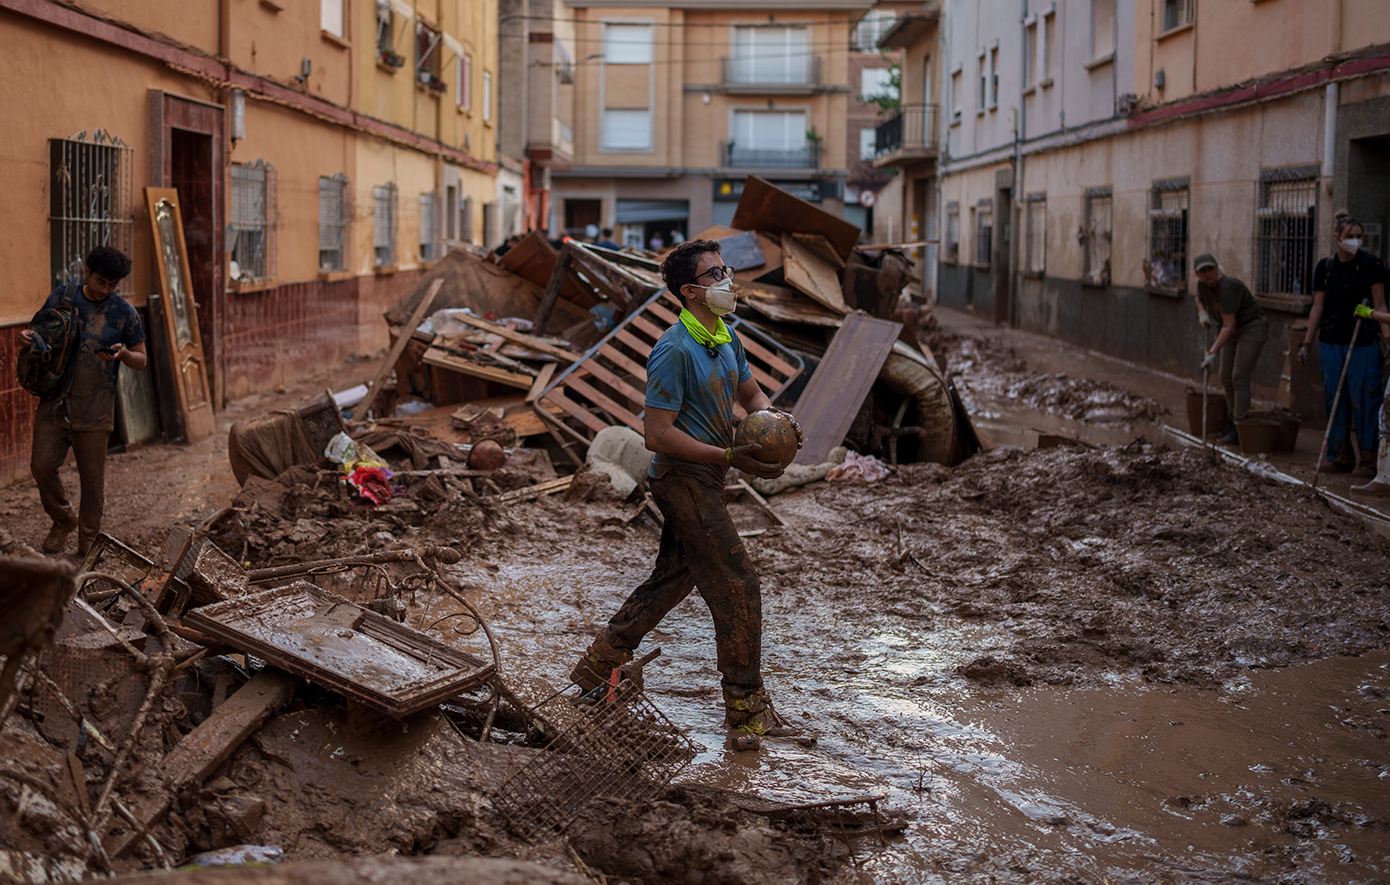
(721, 299)
(1351, 245)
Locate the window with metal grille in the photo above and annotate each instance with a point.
(1095, 237)
(429, 248)
(984, 231)
(1286, 231)
(384, 21)
(89, 203)
(1176, 13)
(1168, 234)
(1035, 235)
(253, 216)
(384, 225)
(953, 232)
(333, 222)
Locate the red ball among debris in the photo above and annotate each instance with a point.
(772, 432)
(487, 455)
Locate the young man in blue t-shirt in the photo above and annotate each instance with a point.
(83, 417)
(696, 372)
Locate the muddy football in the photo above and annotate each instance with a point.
(487, 455)
(773, 432)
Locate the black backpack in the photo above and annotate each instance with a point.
(45, 369)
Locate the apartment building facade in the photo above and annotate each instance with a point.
(324, 154)
(1094, 146)
(675, 105)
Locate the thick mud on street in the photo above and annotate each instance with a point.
(1116, 662)
(1123, 665)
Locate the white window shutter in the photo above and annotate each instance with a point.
(331, 16)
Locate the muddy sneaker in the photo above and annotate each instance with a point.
(57, 537)
(755, 715)
(597, 665)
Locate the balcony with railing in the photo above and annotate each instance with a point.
(909, 136)
(742, 75)
(736, 156)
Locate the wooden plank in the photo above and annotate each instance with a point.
(741, 251)
(743, 486)
(206, 747)
(621, 359)
(541, 383)
(398, 348)
(441, 358)
(583, 415)
(637, 344)
(544, 488)
(665, 314)
(603, 401)
(765, 381)
(646, 325)
(552, 290)
(773, 361)
(809, 273)
(621, 385)
(765, 207)
(837, 389)
(530, 341)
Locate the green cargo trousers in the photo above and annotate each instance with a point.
(1238, 357)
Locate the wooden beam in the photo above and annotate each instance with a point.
(516, 337)
(206, 747)
(398, 348)
(438, 356)
(552, 290)
(541, 383)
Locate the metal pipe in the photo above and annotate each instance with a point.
(446, 555)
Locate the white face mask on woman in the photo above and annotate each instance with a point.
(1351, 245)
(721, 299)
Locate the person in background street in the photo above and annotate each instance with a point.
(677, 238)
(656, 243)
(1226, 300)
(1341, 282)
(607, 241)
(82, 419)
(695, 374)
(1380, 483)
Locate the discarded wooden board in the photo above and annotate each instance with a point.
(766, 207)
(416, 318)
(788, 306)
(382, 664)
(742, 487)
(537, 344)
(808, 271)
(609, 385)
(439, 357)
(844, 377)
(203, 749)
(545, 488)
(533, 259)
(741, 251)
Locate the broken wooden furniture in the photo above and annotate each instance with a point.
(837, 388)
(609, 385)
(366, 657)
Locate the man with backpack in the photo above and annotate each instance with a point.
(80, 413)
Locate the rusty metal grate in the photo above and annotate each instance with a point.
(621, 747)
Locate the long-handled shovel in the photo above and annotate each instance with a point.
(1206, 374)
(1336, 399)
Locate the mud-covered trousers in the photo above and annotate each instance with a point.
(51, 443)
(701, 548)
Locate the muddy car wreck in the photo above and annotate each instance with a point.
(1058, 662)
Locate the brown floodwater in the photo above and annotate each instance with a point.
(1276, 775)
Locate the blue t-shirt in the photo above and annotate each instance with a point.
(701, 383)
(91, 400)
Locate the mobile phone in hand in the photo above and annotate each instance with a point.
(107, 350)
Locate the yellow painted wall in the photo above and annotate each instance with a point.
(194, 22)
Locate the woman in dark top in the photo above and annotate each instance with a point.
(1242, 335)
(1341, 282)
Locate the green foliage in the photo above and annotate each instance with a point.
(890, 100)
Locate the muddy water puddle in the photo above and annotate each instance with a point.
(1279, 775)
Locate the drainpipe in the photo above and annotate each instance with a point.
(1020, 123)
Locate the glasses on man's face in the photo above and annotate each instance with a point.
(717, 273)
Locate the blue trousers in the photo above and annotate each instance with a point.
(1362, 394)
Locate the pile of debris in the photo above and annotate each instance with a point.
(543, 348)
(196, 711)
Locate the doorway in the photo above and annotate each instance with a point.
(187, 154)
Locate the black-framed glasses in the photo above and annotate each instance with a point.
(719, 273)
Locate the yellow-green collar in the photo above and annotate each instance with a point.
(701, 334)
